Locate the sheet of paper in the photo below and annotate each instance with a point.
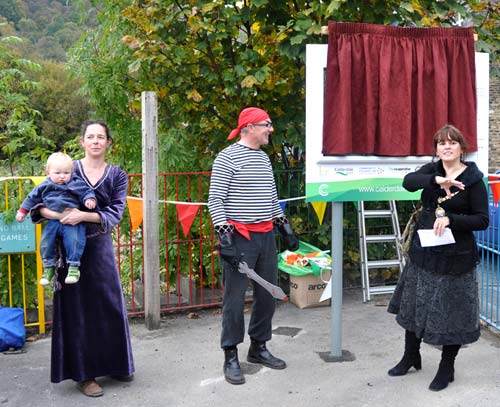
(428, 238)
(327, 292)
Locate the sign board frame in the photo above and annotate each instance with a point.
(339, 179)
(350, 178)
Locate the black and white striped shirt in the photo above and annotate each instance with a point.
(242, 187)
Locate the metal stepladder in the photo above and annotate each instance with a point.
(365, 239)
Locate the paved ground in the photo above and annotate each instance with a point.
(181, 365)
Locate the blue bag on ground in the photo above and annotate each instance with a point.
(12, 331)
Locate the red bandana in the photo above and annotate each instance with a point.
(250, 115)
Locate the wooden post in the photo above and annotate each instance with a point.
(150, 210)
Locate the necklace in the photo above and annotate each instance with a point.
(441, 199)
(440, 212)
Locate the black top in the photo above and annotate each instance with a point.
(467, 211)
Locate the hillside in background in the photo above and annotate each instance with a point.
(41, 106)
(49, 27)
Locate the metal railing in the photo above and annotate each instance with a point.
(488, 271)
(189, 274)
(189, 267)
(190, 271)
(19, 272)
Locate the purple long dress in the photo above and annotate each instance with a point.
(90, 336)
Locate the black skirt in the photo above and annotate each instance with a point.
(440, 309)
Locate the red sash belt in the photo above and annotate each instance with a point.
(245, 228)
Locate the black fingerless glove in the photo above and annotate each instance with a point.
(227, 249)
(290, 241)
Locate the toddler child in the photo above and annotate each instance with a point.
(62, 189)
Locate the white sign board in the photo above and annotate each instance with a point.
(370, 178)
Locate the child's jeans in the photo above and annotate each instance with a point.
(73, 237)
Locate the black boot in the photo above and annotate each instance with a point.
(232, 369)
(446, 371)
(258, 353)
(411, 356)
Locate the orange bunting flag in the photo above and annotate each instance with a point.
(135, 210)
(186, 214)
(319, 208)
(494, 182)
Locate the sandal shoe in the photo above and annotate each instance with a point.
(90, 388)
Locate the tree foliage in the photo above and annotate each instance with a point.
(53, 105)
(21, 148)
(208, 59)
(62, 108)
(10, 10)
(101, 61)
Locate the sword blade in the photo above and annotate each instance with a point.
(274, 290)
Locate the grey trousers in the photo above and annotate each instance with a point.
(260, 254)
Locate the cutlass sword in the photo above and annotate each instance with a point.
(274, 290)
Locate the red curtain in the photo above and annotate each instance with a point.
(389, 89)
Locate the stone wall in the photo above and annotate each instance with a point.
(494, 134)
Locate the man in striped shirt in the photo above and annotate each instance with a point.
(244, 207)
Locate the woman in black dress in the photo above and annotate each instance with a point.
(436, 299)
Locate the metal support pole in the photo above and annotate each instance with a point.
(337, 354)
(337, 270)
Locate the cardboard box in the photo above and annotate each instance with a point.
(306, 291)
